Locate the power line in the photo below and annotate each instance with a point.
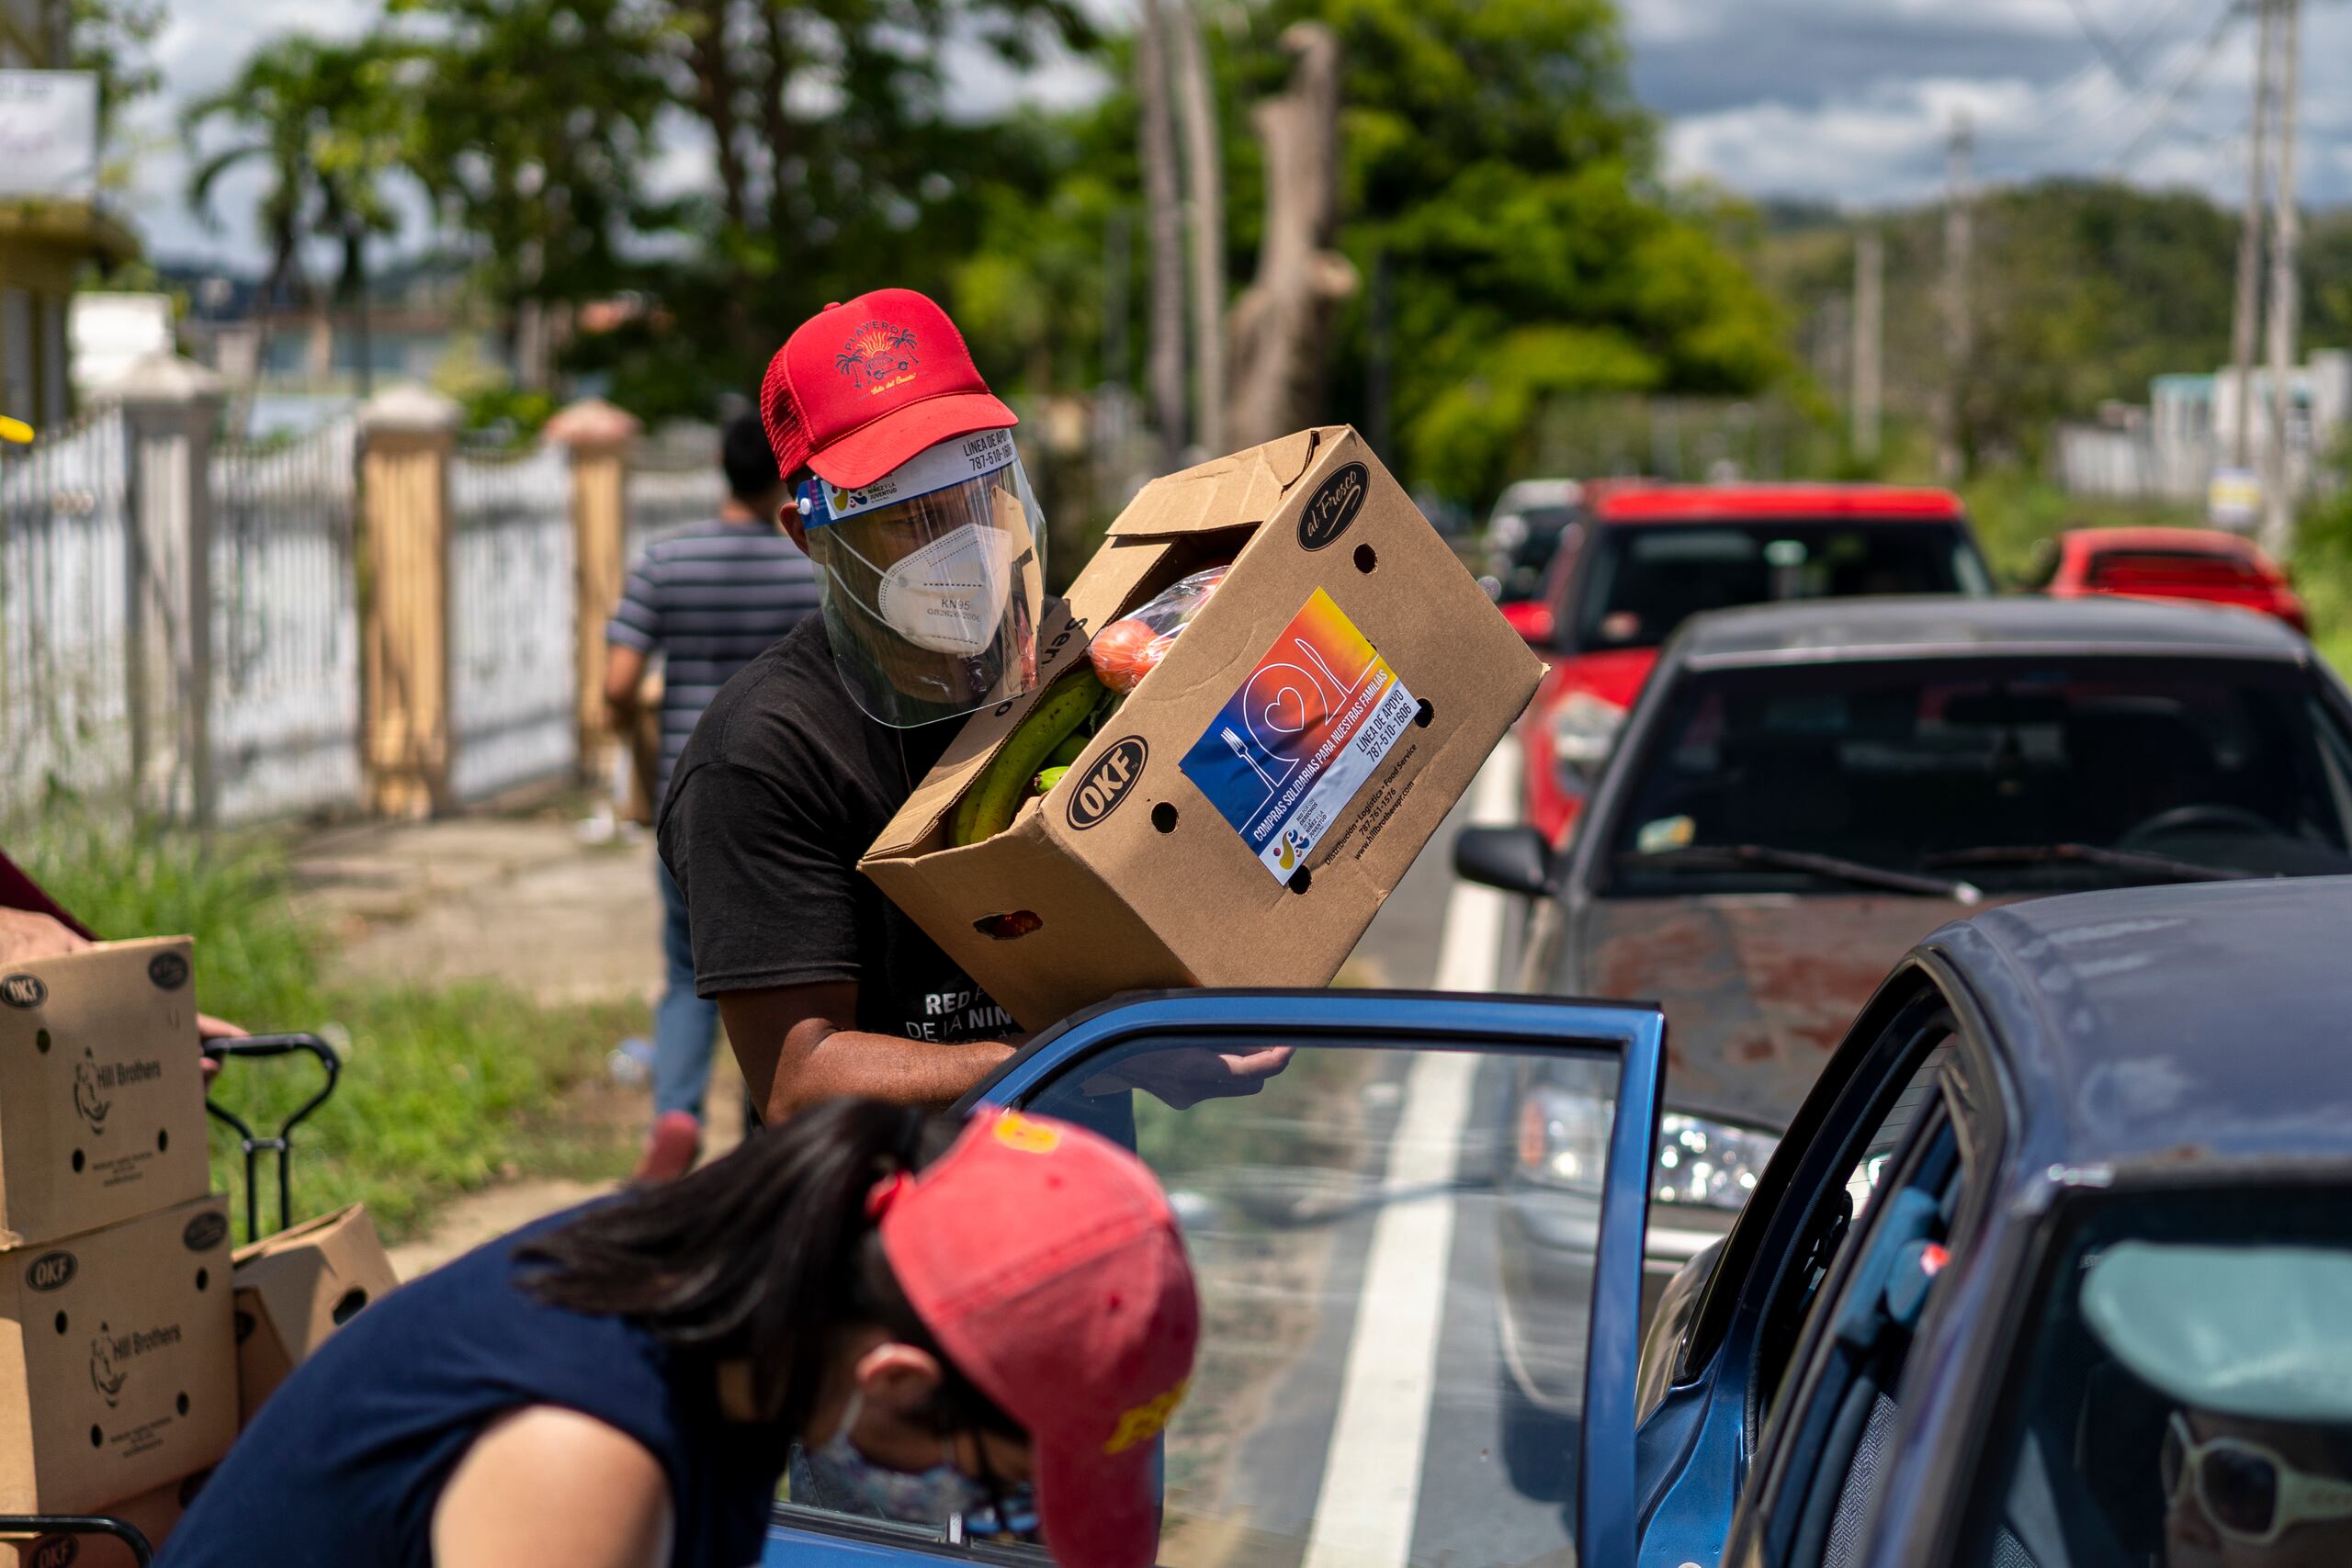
(2105, 46)
(2188, 79)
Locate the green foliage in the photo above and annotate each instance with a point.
(441, 1090)
(328, 122)
(114, 40)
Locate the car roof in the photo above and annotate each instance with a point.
(1637, 502)
(1922, 625)
(2177, 541)
(2180, 1025)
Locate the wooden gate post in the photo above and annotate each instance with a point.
(406, 434)
(598, 435)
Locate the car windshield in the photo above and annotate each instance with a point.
(2012, 775)
(2186, 1402)
(1645, 579)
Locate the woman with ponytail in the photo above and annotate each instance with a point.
(937, 1312)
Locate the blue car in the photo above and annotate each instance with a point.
(2049, 1271)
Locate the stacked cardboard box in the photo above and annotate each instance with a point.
(117, 1369)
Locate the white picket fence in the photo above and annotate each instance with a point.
(65, 598)
(285, 710)
(222, 682)
(512, 684)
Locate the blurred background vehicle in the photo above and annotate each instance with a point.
(2203, 564)
(1647, 557)
(1523, 533)
(1806, 790)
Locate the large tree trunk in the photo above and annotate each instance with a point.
(776, 126)
(1281, 327)
(1204, 196)
(1164, 374)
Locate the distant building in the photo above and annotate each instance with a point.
(2169, 448)
(50, 224)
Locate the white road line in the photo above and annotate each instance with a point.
(1371, 1477)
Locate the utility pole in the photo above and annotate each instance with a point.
(1205, 194)
(1869, 310)
(1164, 354)
(2248, 310)
(2278, 499)
(1958, 237)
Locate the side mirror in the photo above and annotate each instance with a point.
(1515, 860)
(1532, 619)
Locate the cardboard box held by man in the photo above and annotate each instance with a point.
(1241, 817)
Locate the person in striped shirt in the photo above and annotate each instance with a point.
(709, 600)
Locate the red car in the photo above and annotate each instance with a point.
(2170, 563)
(1645, 557)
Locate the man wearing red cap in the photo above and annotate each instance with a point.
(930, 551)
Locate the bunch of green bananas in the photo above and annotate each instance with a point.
(1034, 758)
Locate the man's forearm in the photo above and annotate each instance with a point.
(881, 1066)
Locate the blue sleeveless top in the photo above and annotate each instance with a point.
(343, 1466)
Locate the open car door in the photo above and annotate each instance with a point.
(1350, 1407)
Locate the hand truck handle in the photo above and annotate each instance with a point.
(263, 1046)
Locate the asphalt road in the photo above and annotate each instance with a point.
(1465, 1502)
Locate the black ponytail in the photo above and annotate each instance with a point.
(765, 1257)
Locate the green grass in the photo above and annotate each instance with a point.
(442, 1091)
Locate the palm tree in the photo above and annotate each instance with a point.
(328, 121)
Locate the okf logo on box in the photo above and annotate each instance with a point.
(1108, 782)
(25, 991)
(54, 1551)
(50, 1271)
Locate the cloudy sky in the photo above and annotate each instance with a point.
(1842, 100)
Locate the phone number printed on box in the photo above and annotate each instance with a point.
(1312, 722)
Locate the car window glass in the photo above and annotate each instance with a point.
(2177, 1397)
(1646, 579)
(1351, 1401)
(1926, 1044)
(1839, 1439)
(2016, 775)
(1916, 1099)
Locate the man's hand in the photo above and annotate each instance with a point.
(1181, 1078)
(26, 935)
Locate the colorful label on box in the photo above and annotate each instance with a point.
(1311, 723)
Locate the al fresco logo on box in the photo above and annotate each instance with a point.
(95, 1083)
(111, 1355)
(24, 991)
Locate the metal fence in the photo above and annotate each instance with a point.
(285, 710)
(511, 675)
(66, 591)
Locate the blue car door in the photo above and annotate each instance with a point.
(1333, 1156)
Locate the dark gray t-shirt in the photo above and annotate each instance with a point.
(783, 786)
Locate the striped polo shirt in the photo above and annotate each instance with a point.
(710, 599)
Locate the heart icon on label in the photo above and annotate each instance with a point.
(1286, 699)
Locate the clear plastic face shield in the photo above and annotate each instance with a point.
(934, 579)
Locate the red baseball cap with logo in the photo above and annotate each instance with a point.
(866, 383)
(1044, 1260)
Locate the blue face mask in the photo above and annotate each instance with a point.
(854, 1483)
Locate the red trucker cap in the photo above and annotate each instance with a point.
(865, 384)
(1045, 1262)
